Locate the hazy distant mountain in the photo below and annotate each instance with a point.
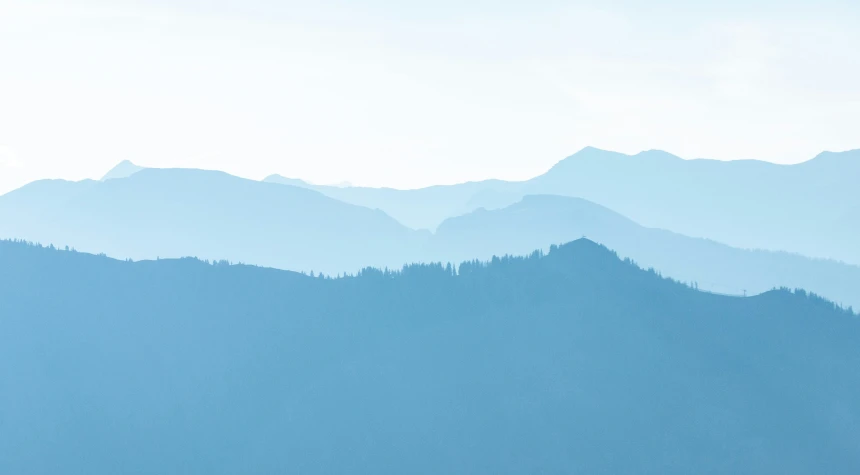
(574, 362)
(423, 208)
(171, 213)
(799, 208)
(123, 170)
(741, 203)
(540, 220)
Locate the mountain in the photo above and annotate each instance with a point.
(211, 215)
(540, 220)
(124, 169)
(422, 208)
(569, 362)
(745, 203)
(176, 212)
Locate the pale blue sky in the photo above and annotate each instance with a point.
(388, 93)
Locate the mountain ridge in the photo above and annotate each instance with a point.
(214, 215)
(539, 220)
(570, 360)
(211, 214)
(744, 203)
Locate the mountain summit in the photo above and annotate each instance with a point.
(123, 169)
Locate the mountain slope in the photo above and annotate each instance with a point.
(171, 213)
(540, 220)
(745, 203)
(573, 362)
(422, 208)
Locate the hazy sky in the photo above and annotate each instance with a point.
(399, 94)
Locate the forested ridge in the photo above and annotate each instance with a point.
(567, 362)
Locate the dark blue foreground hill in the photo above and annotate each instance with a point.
(570, 362)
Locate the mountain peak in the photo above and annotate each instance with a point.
(592, 156)
(123, 169)
(591, 151)
(586, 154)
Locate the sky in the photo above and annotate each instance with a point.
(409, 94)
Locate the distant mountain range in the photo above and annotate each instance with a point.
(177, 212)
(171, 213)
(423, 208)
(540, 220)
(569, 362)
(164, 213)
(801, 208)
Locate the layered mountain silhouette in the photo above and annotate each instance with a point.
(422, 208)
(751, 204)
(174, 212)
(170, 213)
(743, 203)
(540, 220)
(568, 362)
